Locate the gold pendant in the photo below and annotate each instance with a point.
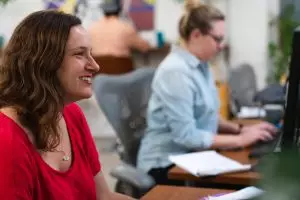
(66, 158)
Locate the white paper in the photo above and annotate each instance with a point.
(150, 37)
(207, 163)
(251, 112)
(246, 193)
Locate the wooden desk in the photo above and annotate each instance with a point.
(153, 52)
(164, 49)
(246, 121)
(242, 178)
(161, 192)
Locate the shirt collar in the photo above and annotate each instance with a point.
(192, 60)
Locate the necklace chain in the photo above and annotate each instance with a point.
(66, 157)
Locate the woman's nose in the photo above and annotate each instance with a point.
(93, 66)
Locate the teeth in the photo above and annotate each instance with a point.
(87, 79)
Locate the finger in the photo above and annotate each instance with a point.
(268, 127)
(266, 136)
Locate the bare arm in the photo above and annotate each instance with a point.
(228, 127)
(227, 141)
(104, 193)
(137, 42)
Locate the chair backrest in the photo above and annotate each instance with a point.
(114, 65)
(124, 101)
(242, 83)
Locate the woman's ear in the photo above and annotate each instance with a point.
(196, 33)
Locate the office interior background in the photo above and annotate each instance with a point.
(252, 26)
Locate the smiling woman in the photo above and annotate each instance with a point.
(46, 148)
(78, 63)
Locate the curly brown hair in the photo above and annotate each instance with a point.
(28, 73)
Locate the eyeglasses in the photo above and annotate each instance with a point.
(217, 39)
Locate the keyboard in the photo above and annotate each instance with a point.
(265, 147)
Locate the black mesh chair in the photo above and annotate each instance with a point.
(124, 99)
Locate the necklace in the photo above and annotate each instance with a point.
(66, 157)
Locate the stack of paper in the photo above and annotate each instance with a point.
(246, 193)
(207, 163)
(251, 112)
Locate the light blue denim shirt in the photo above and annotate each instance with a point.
(183, 110)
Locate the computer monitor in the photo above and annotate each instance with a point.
(291, 123)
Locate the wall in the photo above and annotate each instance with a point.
(248, 35)
(14, 12)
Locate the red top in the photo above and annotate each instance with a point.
(24, 175)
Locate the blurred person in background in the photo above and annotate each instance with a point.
(113, 36)
(183, 111)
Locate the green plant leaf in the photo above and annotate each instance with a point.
(280, 53)
(4, 2)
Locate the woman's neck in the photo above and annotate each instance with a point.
(191, 48)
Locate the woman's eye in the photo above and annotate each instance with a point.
(79, 54)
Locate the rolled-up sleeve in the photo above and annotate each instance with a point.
(176, 91)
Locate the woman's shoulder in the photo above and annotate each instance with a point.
(172, 59)
(10, 132)
(14, 143)
(18, 169)
(6, 134)
(173, 63)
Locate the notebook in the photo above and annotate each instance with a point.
(207, 163)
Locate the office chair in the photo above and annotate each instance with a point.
(242, 84)
(124, 100)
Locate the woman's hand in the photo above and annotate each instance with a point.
(259, 132)
(261, 126)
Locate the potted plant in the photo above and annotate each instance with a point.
(4, 2)
(280, 51)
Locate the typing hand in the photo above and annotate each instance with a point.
(252, 134)
(267, 127)
(261, 126)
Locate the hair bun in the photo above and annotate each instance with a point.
(191, 4)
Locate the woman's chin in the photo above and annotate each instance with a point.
(85, 95)
(80, 96)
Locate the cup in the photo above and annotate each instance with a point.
(160, 39)
(1, 41)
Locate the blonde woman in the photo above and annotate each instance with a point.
(183, 111)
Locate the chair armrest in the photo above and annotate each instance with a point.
(133, 176)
